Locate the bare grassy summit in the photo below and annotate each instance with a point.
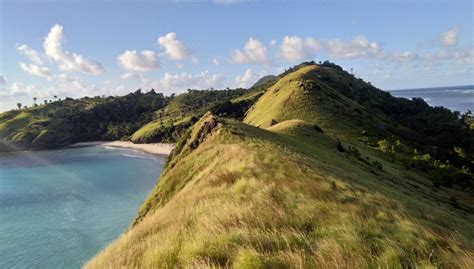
(291, 195)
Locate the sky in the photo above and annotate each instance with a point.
(88, 48)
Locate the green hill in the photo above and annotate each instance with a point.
(245, 197)
(264, 80)
(139, 117)
(325, 171)
(355, 112)
(181, 112)
(68, 121)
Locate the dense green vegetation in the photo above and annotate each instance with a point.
(316, 176)
(140, 117)
(182, 111)
(357, 113)
(233, 195)
(313, 168)
(67, 121)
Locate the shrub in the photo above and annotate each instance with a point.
(377, 165)
(339, 146)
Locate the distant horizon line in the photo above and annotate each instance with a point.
(437, 87)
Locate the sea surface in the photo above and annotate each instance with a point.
(457, 98)
(59, 208)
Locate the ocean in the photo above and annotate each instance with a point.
(59, 208)
(457, 98)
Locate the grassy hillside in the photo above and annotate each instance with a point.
(139, 117)
(233, 195)
(314, 168)
(172, 121)
(297, 97)
(67, 121)
(355, 112)
(325, 171)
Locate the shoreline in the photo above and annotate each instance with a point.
(152, 148)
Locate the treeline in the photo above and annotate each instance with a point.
(109, 118)
(435, 130)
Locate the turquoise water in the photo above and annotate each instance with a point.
(59, 208)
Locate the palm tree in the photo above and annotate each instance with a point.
(34, 100)
(55, 97)
(18, 105)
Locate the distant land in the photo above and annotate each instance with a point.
(460, 87)
(313, 168)
(323, 170)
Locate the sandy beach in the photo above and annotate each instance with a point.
(153, 148)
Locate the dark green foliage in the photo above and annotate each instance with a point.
(414, 121)
(182, 111)
(317, 128)
(377, 165)
(86, 119)
(331, 65)
(264, 81)
(339, 146)
(116, 118)
(354, 152)
(231, 109)
(295, 68)
(441, 174)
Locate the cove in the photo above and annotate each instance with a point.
(59, 208)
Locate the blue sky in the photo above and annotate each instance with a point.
(76, 48)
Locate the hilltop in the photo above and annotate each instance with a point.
(324, 170)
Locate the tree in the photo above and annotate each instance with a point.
(55, 97)
(18, 105)
(45, 101)
(34, 100)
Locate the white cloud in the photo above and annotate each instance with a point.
(294, 48)
(185, 80)
(450, 37)
(379, 73)
(174, 49)
(402, 56)
(36, 70)
(132, 61)
(359, 47)
(246, 79)
(67, 61)
(464, 56)
(459, 56)
(273, 42)
(215, 61)
(17, 89)
(181, 81)
(2, 80)
(33, 55)
(131, 76)
(254, 52)
(65, 77)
